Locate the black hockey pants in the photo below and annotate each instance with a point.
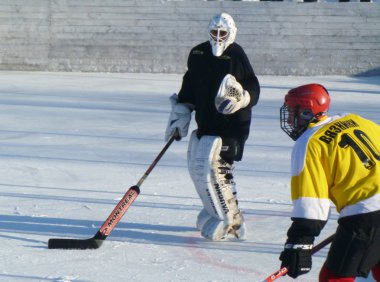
(354, 251)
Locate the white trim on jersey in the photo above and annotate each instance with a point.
(368, 205)
(299, 151)
(320, 208)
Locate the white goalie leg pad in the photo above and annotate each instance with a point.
(233, 223)
(202, 218)
(200, 155)
(220, 216)
(241, 232)
(216, 230)
(191, 151)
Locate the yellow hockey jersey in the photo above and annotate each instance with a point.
(338, 160)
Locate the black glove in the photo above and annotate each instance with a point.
(296, 258)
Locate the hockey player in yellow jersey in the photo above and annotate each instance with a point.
(335, 159)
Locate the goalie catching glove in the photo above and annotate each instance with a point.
(179, 119)
(231, 96)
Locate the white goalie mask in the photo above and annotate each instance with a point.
(222, 32)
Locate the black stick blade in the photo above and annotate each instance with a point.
(76, 244)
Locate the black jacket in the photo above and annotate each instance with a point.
(200, 85)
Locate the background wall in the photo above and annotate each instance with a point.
(280, 38)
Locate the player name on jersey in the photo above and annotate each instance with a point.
(335, 128)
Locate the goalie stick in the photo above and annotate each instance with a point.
(115, 216)
(281, 272)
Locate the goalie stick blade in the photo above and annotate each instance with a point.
(76, 244)
(96, 241)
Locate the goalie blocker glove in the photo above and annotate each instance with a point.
(231, 96)
(179, 119)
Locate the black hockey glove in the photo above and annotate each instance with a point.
(296, 258)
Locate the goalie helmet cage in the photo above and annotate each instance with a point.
(97, 240)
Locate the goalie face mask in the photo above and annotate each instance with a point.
(222, 33)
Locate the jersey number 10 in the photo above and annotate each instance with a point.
(368, 157)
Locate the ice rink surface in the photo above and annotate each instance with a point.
(71, 144)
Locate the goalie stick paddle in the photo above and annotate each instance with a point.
(281, 272)
(115, 216)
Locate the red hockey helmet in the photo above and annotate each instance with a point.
(302, 106)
